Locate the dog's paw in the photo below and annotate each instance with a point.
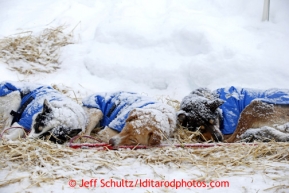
(13, 134)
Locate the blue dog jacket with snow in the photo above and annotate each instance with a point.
(116, 106)
(236, 99)
(38, 92)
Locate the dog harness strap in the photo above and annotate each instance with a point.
(113, 108)
(17, 115)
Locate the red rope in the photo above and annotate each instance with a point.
(105, 146)
(83, 145)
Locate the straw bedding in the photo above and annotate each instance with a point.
(30, 53)
(41, 160)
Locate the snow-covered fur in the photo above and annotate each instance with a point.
(266, 134)
(199, 110)
(134, 119)
(263, 122)
(48, 114)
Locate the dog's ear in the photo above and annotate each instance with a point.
(46, 107)
(213, 105)
(132, 115)
(154, 139)
(181, 118)
(66, 134)
(72, 133)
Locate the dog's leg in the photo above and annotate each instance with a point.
(7, 103)
(266, 134)
(94, 116)
(14, 133)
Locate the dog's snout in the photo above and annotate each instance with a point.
(217, 136)
(115, 141)
(111, 141)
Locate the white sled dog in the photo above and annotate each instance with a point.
(40, 111)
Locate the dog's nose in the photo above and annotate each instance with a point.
(112, 142)
(218, 137)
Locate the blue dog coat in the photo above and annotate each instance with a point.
(116, 107)
(38, 92)
(236, 99)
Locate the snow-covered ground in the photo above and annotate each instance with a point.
(160, 48)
